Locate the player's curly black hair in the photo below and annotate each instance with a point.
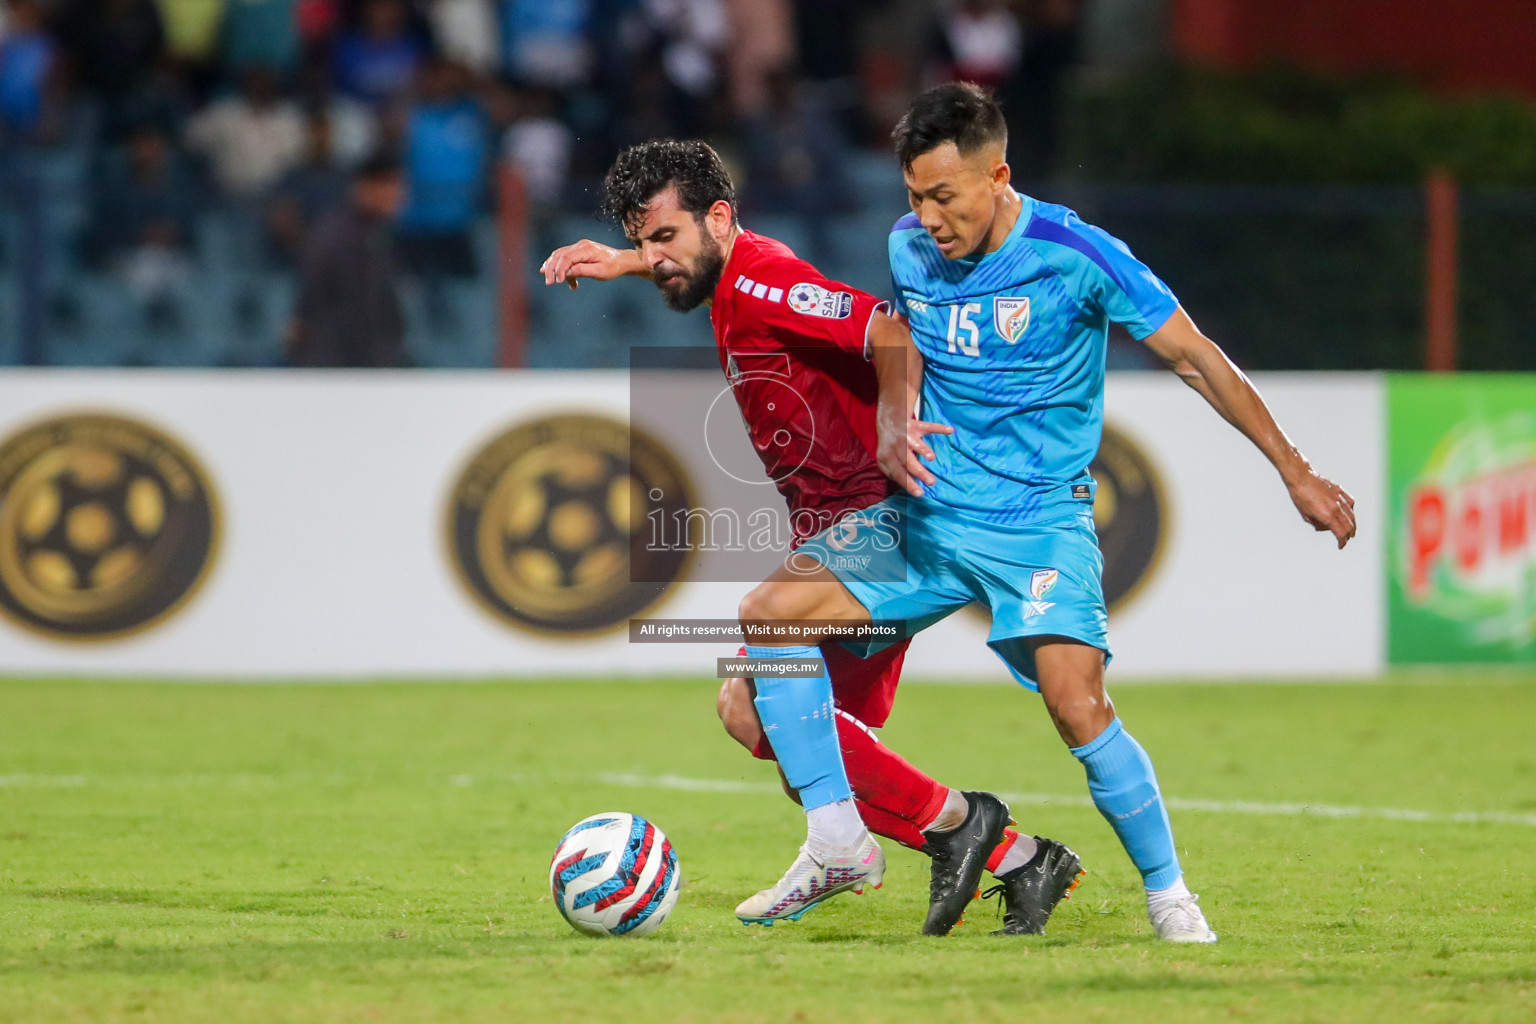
(960, 112)
(645, 170)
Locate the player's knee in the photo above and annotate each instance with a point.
(738, 714)
(765, 602)
(1071, 678)
(1080, 717)
(723, 701)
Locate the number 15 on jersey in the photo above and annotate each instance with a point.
(961, 327)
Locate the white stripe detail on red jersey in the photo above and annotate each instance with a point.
(739, 279)
(775, 294)
(744, 283)
(759, 290)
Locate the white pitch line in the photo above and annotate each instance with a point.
(20, 781)
(630, 780)
(1288, 810)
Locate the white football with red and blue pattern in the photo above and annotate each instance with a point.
(614, 874)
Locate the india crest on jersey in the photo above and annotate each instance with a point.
(1011, 317)
(1042, 581)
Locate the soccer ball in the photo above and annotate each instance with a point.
(614, 874)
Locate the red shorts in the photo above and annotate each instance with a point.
(865, 687)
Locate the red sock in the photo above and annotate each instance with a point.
(893, 797)
(887, 781)
(886, 824)
(1001, 849)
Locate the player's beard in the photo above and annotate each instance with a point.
(697, 284)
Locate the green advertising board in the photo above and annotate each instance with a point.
(1462, 519)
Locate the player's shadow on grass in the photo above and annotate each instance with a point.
(1153, 983)
(318, 901)
(863, 936)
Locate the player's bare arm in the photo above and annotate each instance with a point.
(595, 260)
(1205, 367)
(899, 369)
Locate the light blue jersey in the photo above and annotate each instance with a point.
(1013, 344)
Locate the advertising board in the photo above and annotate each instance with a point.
(426, 525)
(1462, 525)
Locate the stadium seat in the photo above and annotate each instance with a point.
(858, 243)
(454, 326)
(105, 330)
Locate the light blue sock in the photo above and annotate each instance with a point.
(797, 717)
(1124, 789)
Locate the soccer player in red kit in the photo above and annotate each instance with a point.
(676, 202)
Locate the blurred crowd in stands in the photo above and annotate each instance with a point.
(264, 109)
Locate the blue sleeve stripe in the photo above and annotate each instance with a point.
(1050, 231)
(906, 223)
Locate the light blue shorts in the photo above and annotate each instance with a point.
(911, 562)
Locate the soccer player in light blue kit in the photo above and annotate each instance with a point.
(1010, 301)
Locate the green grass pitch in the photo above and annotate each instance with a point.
(234, 853)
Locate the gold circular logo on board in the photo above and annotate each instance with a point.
(549, 525)
(107, 526)
(1130, 516)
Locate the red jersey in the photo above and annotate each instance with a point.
(792, 343)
